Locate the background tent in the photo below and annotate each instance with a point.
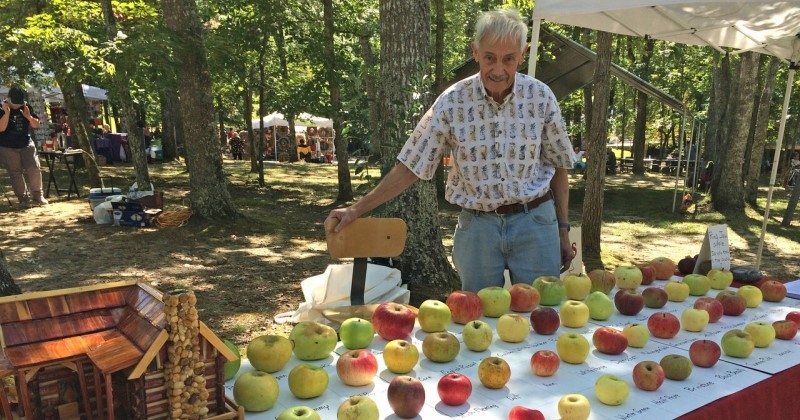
(276, 118)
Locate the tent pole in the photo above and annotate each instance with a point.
(681, 136)
(534, 47)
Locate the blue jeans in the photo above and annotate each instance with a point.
(526, 243)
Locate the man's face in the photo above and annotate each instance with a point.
(498, 63)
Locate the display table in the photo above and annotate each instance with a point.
(67, 158)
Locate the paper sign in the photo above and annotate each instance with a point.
(715, 248)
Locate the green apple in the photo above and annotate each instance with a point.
(572, 348)
(299, 412)
(628, 276)
(611, 389)
(312, 340)
(574, 407)
(720, 278)
(676, 367)
(440, 347)
(477, 335)
(551, 290)
(601, 307)
(495, 300)
(513, 328)
(577, 286)
(307, 381)
(698, 284)
(637, 335)
(269, 353)
(358, 407)
(256, 391)
(676, 291)
(763, 333)
(231, 368)
(751, 294)
(694, 320)
(356, 333)
(400, 356)
(574, 314)
(433, 316)
(737, 343)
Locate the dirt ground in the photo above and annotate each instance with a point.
(243, 271)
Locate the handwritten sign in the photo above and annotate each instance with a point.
(715, 248)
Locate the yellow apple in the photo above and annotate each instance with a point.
(572, 348)
(676, 291)
(611, 390)
(433, 316)
(256, 391)
(307, 381)
(400, 356)
(269, 353)
(720, 278)
(577, 286)
(751, 294)
(637, 335)
(694, 320)
(312, 340)
(513, 328)
(574, 407)
(494, 372)
(763, 333)
(574, 314)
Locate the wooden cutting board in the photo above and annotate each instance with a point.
(366, 237)
(339, 315)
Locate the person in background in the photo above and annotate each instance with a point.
(795, 162)
(237, 147)
(303, 150)
(611, 162)
(510, 164)
(580, 165)
(17, 151)
(230, 133)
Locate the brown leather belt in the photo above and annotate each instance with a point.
(520, 207)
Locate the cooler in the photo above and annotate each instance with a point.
(98, 195)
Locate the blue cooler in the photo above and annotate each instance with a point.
(98, 195)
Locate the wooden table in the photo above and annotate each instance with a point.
(67, 157)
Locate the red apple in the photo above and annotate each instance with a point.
(519, 412)
(655, 297)
(406, 396)
(733, 304)
(609, 340)
(704, 353)
(602, 280)
(357, 367)
(773, 291)
(785, 329)
(710, 305)
(648, 375)
(686, 265)
(545, 320)
(545, 363)
(664, 267)
(393, 321)
(454, 388)
(663, 325)
(794, 316)
(465, 306)
(648, 274)
(524, 297)
(628, 301)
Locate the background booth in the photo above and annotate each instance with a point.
(284, 147)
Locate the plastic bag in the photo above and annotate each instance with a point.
(135, 194)
(103, 211)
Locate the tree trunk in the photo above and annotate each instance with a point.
(720, 95)
(760, 132)
(171, 131)
(405, 44)
(209, 195)
(640, 126)
(591, 221)
(7, 285)
(78, 122)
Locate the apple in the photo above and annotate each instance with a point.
(600, 306)
(393, 320)
(795, 317)
(358, 407)
(574, 314)
(440, 347)
(602, 280)
(676, 367)
(269, 353)
(628, 301)
(720, 278)
(628, 277)
(648, 274)
(400, 356)
(704, 353)
(698, 284)
(256, 391)
(454, 388)
(356, 333)
(231, 367)
(655, 297)
(574, 407)
(733, 304)
(609, 340)
(357, 367)
(694, 320)
(519, 412)
(572, 348)
(648, 375)
(710, 305)
(477, 335)
(737, 343)
(307, 381)
(406, 396)
(611, 389)
(464, 306)
(686, 265)
(637, 335)
(299, 412)
(751, 294)
(545, 363)
(495, 300)
(664, 268)
(513, 328)
(551, 290)
(677, 291)
(524, 297)
(785, 329)
(494, 372)
(663, 325)
(545, 321)
(312, 340)
(773, 291)
(433, 316)
(577, 286)
(763, 333)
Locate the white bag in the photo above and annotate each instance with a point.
(102, 212)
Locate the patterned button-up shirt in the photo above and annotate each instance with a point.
(501, 153)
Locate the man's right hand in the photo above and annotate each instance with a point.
(340, 218)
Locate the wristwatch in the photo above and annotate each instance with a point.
(564, 226)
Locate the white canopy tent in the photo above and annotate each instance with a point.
(53, 94)
(768, 27)
(301, 122)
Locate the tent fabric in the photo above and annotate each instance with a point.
(301, 122)
(53, 94)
